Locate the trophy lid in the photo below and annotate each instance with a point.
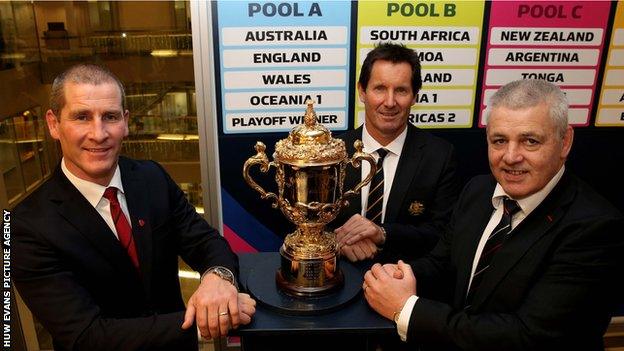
(310, 144)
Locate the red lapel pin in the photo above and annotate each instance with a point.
(141, 222)
(549, 217)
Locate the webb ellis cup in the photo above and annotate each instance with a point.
(310, 169)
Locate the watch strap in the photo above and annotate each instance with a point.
(223, 273)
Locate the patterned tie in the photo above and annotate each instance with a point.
(493, 244)
(121, 224)
(376, 192)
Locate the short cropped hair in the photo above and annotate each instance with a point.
(522, 94)
(81, 74)
(395, 53)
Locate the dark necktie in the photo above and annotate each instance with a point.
(376, 192)
(493, 244)
(124, 231)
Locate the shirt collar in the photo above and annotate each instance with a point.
(93, 192)
(371, 145)
(529, 203)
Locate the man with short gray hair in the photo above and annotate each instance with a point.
(97, 245)
(535, 253)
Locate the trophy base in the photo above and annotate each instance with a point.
(271, 298)
(308, 277)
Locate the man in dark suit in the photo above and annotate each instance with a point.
(535, 253)
(405, 213)
(96, 247)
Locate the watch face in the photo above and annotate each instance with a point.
(224, 274)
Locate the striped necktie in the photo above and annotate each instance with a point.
(376, 192)
(493, 244)
(124, 231)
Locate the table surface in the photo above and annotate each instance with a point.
(355, 317)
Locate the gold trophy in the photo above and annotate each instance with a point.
(310, 170)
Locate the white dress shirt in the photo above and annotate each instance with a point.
(94, 193)
(527, 205)
(389, 166)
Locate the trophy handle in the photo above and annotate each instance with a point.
(356, 161)
(260, 158)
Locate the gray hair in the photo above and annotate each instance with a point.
(521, 94)
(81, 74)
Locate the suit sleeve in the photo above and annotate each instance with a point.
(575, 292)
(435, 271)
(66, 309)
(201, 246)
(412, 240)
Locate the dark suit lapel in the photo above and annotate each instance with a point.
(524, 236)
(479, 215)
(137, 199)
(405, 172)
(353, 177)
(75, 209)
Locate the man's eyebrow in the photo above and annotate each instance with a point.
(531, 135)
(78, 112)
(496, 134)
(87, 111)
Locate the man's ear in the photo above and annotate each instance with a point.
(361, 92)
(126, 117)
(568, 138)
(53, 124)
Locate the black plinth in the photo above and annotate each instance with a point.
(262, 286)
(354, 326)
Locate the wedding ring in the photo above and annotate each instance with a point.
(223, 314)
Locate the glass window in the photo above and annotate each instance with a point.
(26, 154)
(9, 162)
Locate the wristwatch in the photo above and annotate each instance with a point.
(395, 317)
(383, 236)
(222, 273)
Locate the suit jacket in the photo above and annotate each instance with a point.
(425, 175)
(78, 281)
(552, 286)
